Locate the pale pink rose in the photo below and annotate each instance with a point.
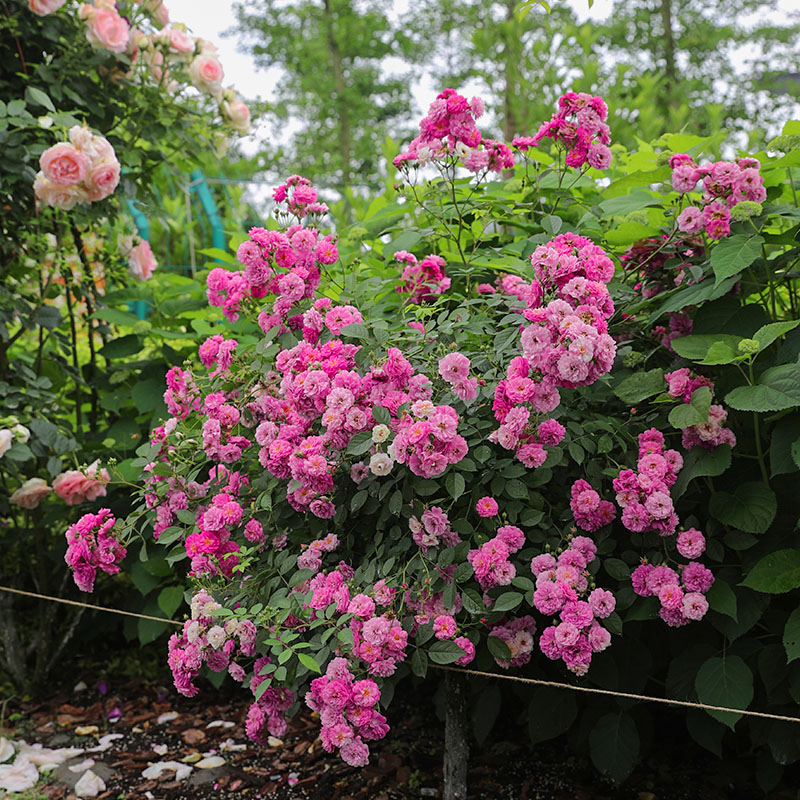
(141, 261)
(64, 164)
(44, 7)
(178, 40)
(160, 15)
(107, 29)
(239, 115)
(102, 180)
(63, 197)
(30, 494)
(74, 486)
(81, 138)
(6, 440)
(206, 73)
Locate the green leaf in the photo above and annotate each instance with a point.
(356, 330)
(721, 598)
(517, 489)
(498, 648)
(725, 681)
(627, 203)
(119, 348)
(700, 462)
(751, 509)
(776, 573)
(696, 348)
(614, 745)
(309, 663)
(791, 636)
(445, 652)
(396, 503)
(219, 255)
(777, 388)
(40, 98)
(617, 568)
(640, 385)
(766, 335)
(551, 224)
(734, 254)
(455, 484)
(695, 412)
(116, 316)
(360, 444)
(170, 599)
(507, 601)
(419, 663)
(785, 437)
(551, 712)
(381, 415)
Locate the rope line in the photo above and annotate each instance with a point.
(480, 673)
(88, 605)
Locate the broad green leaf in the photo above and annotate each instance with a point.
(517, 489)
(777, 388)
(640, 386)
(37, 96)
(722, 598)
(419, 663)
(627, 203)
(551, 712)
(356, 330)
(485, 710)
(700, 462)
(791, 636)
(507, 601)
(617, 568)
(628, 233)
(444, 652)
(785, 436)
(455, 484)
(309, 663)
(734, 254)
(776, 573)
(382, 415)
(170, 599)
(720, 353)
(751, 509)
(695, 348)
(219, 255)
(769, 333)
(614, 745)
(725, 681)
(498, 648)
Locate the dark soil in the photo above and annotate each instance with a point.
(407, 764)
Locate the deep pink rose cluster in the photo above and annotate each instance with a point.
(422, 280)
(725, 185)
(579, 127)
(348, 713)
(643, 494)
(267, 715)
(491, 561)
(91, 545)
(562, 587)
(590, 511)
(518, 634)
(300, 198)
(681, 594)
(432, 529)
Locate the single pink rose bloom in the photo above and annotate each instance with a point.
(63, 164)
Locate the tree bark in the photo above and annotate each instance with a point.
(456, 741)
(669, 50)
(345, 145)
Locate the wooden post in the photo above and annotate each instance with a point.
(456, 741)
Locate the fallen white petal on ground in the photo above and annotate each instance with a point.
(230, 746)
(160, 749)
(89, 785)
(220, 723)
(19, 776)
(167, 716)
(104, 742)
(6, 749)
(44, 757)
(87, 763)
(153, 772)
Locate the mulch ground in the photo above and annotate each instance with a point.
(157, 725)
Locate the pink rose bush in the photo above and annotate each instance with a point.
(83, 170)
(91, 545)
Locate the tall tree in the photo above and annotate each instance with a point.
(336, 98)
(706, 64)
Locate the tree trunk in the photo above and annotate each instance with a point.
(341, 96)
(669, 51)
(456, 742)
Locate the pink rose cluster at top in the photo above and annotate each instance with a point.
(725, 185)
(449, 128)
(78, 485)
(566, 345)
(137, 251)
(83, 170)
(346, 708)
(579, 126)
(643, 494)
(682, 383)
(91, 545)
(301, 200)
(561, 583)
(422, 280)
